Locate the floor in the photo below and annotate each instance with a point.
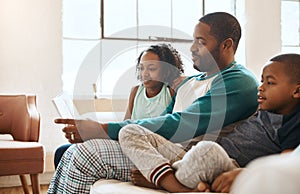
(19, 190)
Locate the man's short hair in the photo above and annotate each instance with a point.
(223, 26)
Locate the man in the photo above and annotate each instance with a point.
(223, 93)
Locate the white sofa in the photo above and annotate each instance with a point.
(118, 187)
(276, 174)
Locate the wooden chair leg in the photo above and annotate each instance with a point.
(35, 183)
(24, 183)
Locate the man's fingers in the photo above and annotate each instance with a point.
(73, 137)
(70, 129)
(218, 183)
(65, 121)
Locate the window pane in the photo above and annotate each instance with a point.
(74, 54)
(119, 76)
(290, 23)
(185, 21)
(217, 5)
(287, 49)
(156, 14)
(143, 18)
(118, 16)
(81, 18)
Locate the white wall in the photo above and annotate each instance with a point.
(31, 57)
(31, 51)
(262, 32)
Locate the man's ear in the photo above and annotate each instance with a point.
(228, 43)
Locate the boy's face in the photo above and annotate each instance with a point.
(276, 92)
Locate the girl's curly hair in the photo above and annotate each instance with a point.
(172, 66)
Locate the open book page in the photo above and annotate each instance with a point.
(65, 106)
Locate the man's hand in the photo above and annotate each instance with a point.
(77, 131)
(224, 181)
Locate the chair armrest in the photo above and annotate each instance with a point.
(34, 118)
(19, 117)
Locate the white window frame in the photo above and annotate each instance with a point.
(295, 47)
(84, 87)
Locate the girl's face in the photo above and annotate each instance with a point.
(150, 70)
(276, 92)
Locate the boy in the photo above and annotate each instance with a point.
(274, 129)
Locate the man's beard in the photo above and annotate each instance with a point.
(210, 61)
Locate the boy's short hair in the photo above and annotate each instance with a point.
(292, 65)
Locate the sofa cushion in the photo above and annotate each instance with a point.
(117, 187)
(17, 155)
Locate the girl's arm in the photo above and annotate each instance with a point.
(130, 102)
(172, 92)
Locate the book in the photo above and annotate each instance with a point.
(65, 106)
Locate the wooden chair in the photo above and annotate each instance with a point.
(21, 154)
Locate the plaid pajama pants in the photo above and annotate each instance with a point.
(85, 163)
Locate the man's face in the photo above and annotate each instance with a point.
(205, 49)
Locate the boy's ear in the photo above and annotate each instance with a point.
(297, 92)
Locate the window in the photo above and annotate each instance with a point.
(144, 19)
(101, 40)
(81, 31)
(290, 29)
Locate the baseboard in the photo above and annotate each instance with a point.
(12, 181)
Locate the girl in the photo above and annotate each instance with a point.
(157, 67)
